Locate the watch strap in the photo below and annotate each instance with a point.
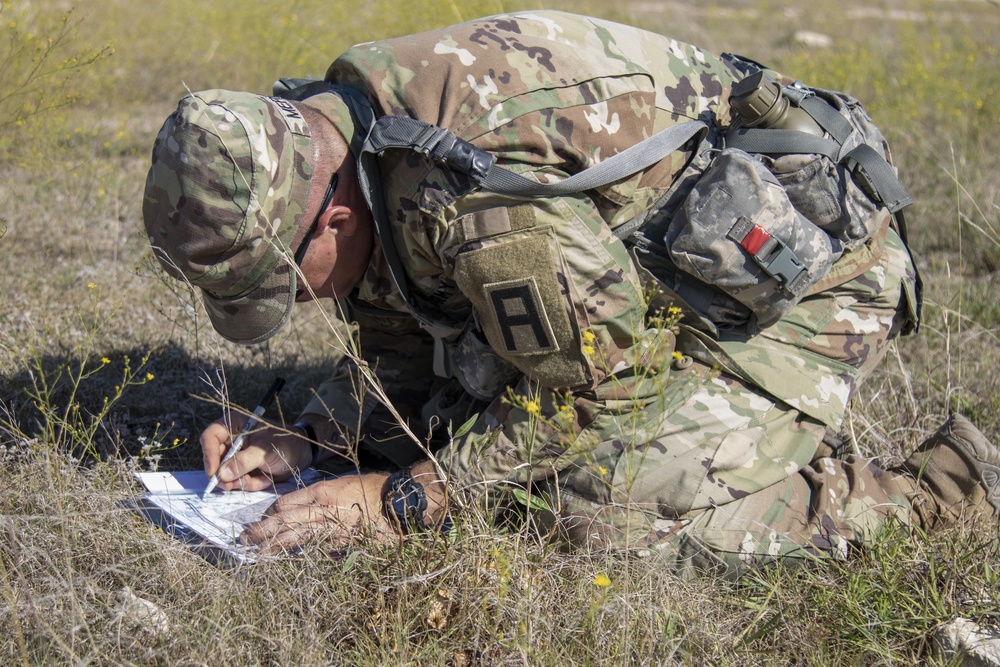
(310, 434)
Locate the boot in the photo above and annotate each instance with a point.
(956, 473)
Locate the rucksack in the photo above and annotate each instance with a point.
(758, 216)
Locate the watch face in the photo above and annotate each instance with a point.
(400, 507)
(406, 501)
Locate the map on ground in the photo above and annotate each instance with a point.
(212, 525)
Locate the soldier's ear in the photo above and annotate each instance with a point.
(338, 219)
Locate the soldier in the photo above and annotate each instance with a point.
(643, 420)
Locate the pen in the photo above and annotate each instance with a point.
(258, 412)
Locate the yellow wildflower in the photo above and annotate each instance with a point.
(602, 580)
(602, 471)
(105, 361)
(673, 310)
(589, 350)
(92, 285)
(149, 377)
(589, 337)
(533, 407)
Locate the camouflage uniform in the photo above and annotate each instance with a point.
(637, 430)
(706, 458)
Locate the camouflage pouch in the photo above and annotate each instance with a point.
(826, 191)
(481, 371)
(738, 231)
(803, 177)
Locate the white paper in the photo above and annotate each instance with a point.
(220, 517)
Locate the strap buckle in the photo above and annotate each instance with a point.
(772, 255)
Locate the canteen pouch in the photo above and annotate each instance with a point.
(737, 230)
(829, 193)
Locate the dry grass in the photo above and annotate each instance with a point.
(78, 291)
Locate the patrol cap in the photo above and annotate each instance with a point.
(223, 200)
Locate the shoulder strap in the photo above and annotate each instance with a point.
(444, 147)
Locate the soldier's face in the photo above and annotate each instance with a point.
(304, 246)
(335, 253)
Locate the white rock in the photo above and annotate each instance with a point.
(972, 645)
(814, 40)
(142, 613)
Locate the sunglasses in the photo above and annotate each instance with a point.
(304, 246)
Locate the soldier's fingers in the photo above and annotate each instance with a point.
(216, 439)
(251, 482)
(289, 537)
(293, 521)
(213, 441)
(249, 459)
(303, 498)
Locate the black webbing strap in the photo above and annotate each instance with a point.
(874, 175)
(444, 147)
(780, 142)
(918, 282)
(828, 118)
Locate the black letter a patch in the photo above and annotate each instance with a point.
(520, 315)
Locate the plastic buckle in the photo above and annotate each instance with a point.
(783, 265)
(465, 158)
(429, 140)
(639, 241)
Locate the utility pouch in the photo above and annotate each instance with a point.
(803, 176)
(480, 370)
(738, 231)
(831, 191)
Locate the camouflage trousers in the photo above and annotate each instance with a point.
(731, 481)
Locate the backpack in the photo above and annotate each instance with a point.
(760, 214)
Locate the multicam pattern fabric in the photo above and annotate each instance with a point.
(609, 411)
(223, 197)
(829, 509)
(549, 94)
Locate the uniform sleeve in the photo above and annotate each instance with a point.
(400, 355)
(558, 297)
(551, 289)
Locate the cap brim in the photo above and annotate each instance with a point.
(255, 317)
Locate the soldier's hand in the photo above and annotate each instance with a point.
(270, 454)
(336, 510)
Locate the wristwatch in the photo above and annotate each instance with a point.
(310, 434)
(404, 501)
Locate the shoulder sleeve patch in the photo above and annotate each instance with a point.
(512, 283)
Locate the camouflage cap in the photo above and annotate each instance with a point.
(224, 197)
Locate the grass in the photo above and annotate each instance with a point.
(79, 291)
